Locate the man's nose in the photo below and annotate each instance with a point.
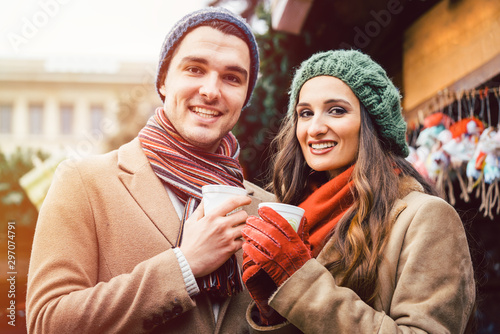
(210, 88)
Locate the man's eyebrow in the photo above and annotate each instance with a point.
(200, 60)
(189, 59)
(239, 70)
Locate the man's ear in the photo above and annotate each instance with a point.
(163, 91)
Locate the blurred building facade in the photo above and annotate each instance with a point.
(71, 105)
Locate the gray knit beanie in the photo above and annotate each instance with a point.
(369, 82)
(195, 19)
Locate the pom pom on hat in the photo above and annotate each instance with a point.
(369, 82)
(197, 18)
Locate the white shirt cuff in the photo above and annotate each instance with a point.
(189, 279)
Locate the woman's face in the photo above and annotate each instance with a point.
(328, 124)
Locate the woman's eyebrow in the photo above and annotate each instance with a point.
(336, 101)
(329, 101)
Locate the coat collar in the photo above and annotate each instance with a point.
(149, 193)
(147, 189)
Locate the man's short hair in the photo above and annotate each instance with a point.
(217, 18)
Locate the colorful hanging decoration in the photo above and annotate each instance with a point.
(448, 147)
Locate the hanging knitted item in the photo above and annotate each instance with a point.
(467, 127)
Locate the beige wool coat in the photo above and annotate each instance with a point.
(102, 259)
(426, 279)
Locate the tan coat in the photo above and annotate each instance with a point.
(426, 279)
(102, 259)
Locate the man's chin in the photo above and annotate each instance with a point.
(204, 142)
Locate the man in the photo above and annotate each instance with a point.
(119, 246)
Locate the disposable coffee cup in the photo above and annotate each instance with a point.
(215, 194)
(293, 214)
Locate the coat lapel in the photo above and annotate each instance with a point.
(147, 190)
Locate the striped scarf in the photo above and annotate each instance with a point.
(185, 169)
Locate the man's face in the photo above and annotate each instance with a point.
(206, 86)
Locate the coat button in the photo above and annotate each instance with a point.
(167, 315)
(157, 320)
(177, 309)
(148, 324)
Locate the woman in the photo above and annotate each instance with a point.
(378, 252)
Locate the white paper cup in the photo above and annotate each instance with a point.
(293, 214)
(215, 194)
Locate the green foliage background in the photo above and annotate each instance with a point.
(15, 204)
(261, 120)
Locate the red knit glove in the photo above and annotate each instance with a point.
(275, 248)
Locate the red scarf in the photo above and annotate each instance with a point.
(186, 168)
(325, 206)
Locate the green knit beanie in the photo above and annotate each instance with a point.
(369, 82)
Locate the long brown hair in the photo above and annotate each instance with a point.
(360, 236)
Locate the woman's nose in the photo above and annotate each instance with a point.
(317, 126)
